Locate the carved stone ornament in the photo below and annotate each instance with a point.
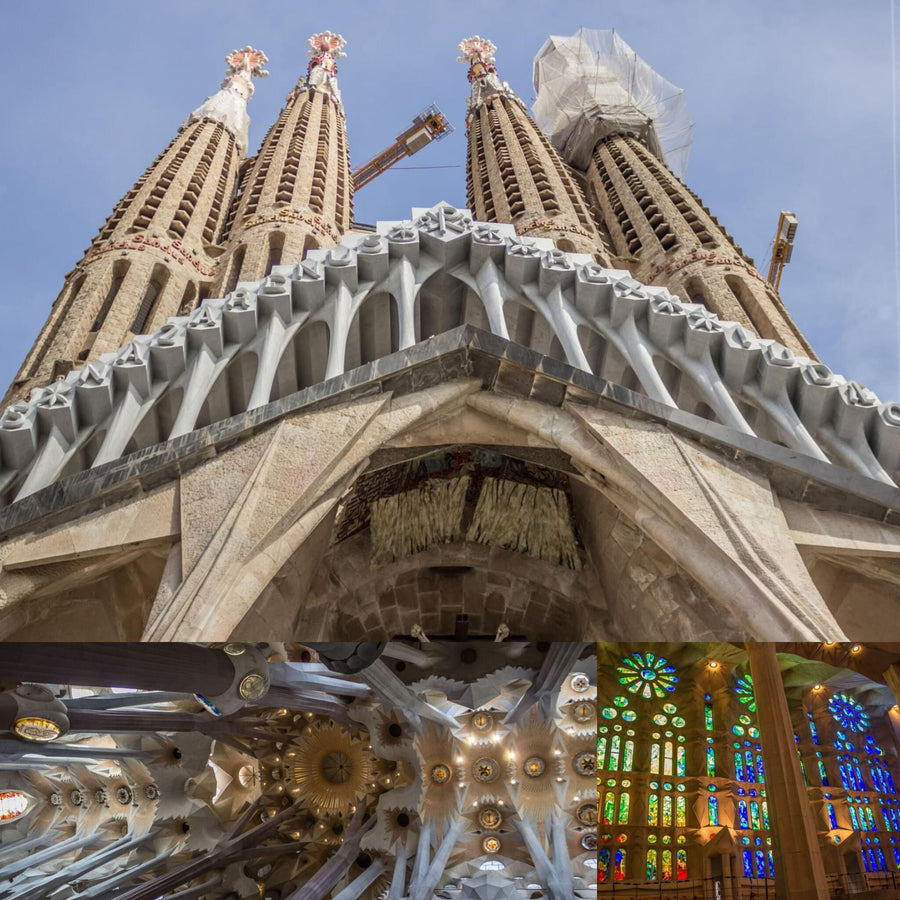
(485, 770)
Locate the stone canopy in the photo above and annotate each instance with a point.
(444, 426)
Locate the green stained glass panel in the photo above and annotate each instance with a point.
(651, 865)
(609, 808)
(667, 811)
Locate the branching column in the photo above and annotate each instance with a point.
(799, 873)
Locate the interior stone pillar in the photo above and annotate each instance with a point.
(892, 677)
(799, 872)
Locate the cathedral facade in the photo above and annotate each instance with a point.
(574, 409)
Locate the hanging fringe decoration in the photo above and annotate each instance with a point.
(525, 519)
(407, 523)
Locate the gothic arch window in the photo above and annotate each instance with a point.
(234, 272)
(150, 299)
(751, 819)
(642, 741)
(276, 249)
(858, 774)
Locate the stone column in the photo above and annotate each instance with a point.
(398, 881)
(393, 692)
(323, 881)
(558, 663)
(892, 677)
(358, 886)
(799, 872)
(165, 667)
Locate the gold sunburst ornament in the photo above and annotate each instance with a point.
(331, 767)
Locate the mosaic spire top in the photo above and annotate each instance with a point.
(479, 52)
(229, 104)
(325, 48)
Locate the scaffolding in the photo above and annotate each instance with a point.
(592, 85)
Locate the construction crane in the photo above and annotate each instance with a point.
(430, 125)
(784, 247)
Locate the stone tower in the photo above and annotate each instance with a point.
(513, 173)
(156, 254)
(663, 234)
(602, 107)
(297, 191)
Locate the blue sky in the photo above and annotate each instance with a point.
(791, 100)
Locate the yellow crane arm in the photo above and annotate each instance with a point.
(784, 247)
(430, 125)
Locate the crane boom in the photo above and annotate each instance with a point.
(784, 247)
(430, 125)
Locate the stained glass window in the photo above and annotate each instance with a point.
(647, 675)
(601, 753)
(681, 865)
(765, 814)
(738, 766)
(711, 762)
(624, 807)
(619, 874)
(748, 864)
(754, 815)
(680, 811)
(750, 771)
(742, 814)
(760, 864)
(680, 760)
(823, 775)
(603, 865)
(652, 809)
(667, 761)
(651, 865)
(832, 820)
(609, 808)
(848, 713)
(708, 714)
(667, 811)
(713, 805)
(667, 865)
(628, 761)
(744, 689)
(614, 749)
(654, 759)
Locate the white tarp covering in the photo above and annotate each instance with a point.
(593, 84)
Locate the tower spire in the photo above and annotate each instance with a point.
(297, 192)
(156, 255)
(479, 52)
(513, 173)
(229, 104)
(628, 130)
(325, 49)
